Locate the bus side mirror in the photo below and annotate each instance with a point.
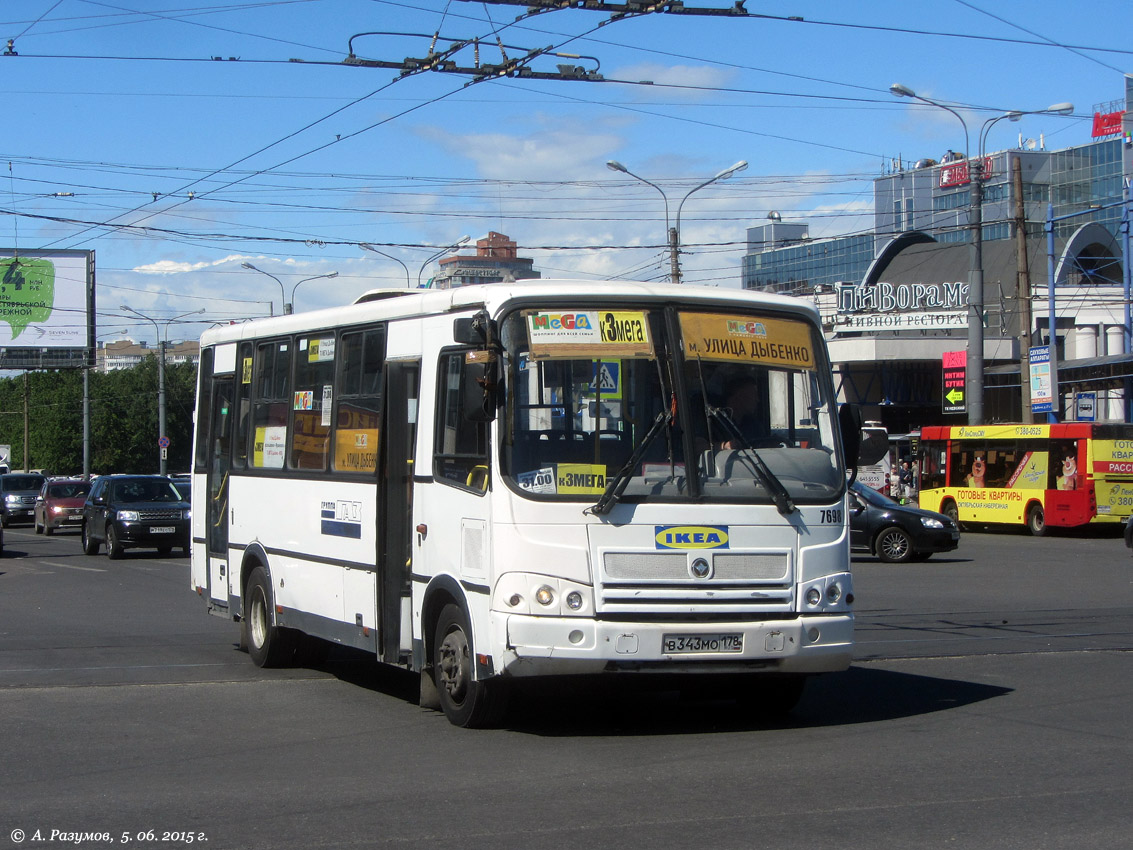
(478, 330)
(850, 423)
(480, 382)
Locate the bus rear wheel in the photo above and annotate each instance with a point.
(1036, 520)
(466, 701)
(950, 510)
(268, 645)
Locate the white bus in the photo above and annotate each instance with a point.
(495, 483)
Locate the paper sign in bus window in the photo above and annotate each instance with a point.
(744, 339)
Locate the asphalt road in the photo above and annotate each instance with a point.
(988, 707)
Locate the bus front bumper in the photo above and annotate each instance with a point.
(534, 646)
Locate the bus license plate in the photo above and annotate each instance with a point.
(162, 529)
(678, 644)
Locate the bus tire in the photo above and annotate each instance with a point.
(1036, 520)
(268, 645)
(950, 510)
(466, 701)
(893, 545)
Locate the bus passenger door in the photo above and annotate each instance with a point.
(220, 462)
(395, 506)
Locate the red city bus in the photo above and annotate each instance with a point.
(1058, 475)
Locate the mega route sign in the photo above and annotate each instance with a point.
(955, 365)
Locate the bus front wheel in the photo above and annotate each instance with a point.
(269, 645)
(465, 700)
(1036, 520)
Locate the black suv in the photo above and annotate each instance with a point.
(17, 496)
(125, 511)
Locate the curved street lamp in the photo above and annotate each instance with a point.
(366, 246)
(161, 452)
(282, 288)
(288, 308)
(974, 361)
(673, 233)
(974, 367)
(441, 253)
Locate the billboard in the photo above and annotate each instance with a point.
(46, 308)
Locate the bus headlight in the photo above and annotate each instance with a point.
(828, 594)
(543, 596)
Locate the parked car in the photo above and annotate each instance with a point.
(18, 491)
(896, 533)
(59, 504)
(126, 511)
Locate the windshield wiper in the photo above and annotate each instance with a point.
(617, 485)
(778, 492)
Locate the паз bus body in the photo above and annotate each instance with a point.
(497, 483)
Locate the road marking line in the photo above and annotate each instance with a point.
(74, 567)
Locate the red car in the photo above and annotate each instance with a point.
(60, 504)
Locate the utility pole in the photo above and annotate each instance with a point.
(1022, 290)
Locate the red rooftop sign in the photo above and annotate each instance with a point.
(1107, 124)
(956, 173)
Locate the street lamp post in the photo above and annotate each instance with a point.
(672, 234)
(974, 371)
(366, 246)
(282, 288)
(974, 366)
(441, 253)
(304, 280)
(161, 452)
(977, 178)
(675, 233)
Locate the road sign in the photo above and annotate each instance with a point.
(163, 442)
(1087, 406)
(955, 365)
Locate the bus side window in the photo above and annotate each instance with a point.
(461, 445)
(312, 401)
(243, 405)
(359, 402)
(270, 404)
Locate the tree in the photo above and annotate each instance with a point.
(124, 418)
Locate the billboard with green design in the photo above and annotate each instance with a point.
(46, 306)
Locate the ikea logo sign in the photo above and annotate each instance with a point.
(690, 537)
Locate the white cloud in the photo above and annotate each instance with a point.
(688, 79)
(174, 267)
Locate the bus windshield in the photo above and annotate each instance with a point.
(671, 404)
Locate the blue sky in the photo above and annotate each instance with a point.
(180, 139)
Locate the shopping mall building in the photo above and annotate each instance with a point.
(895, 302)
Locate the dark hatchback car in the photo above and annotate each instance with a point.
(127, 511)
(896, 533)
(18, 491)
